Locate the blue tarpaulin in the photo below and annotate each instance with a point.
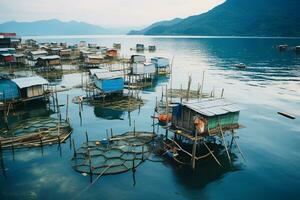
(8, 90)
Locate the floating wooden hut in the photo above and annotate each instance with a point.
(140, 47)
(152, 48)
(84, 54)
(162, 65)
(198, 120)
(117, 45)
(8, 40)
(216, 113)
(55, 50)
(9, 90)
(82, 44)
(21, 90)
(6, 58)
(143, 68)
(109, 82)
(138, 59)
(34, 55)
(19, 59)
(31, 87)
(92, 45)
(93, 60)
(65, 53)
(48, 62)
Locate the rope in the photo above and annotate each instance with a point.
(90, 185)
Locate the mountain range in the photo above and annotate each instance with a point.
(236, 18)
(57, 27)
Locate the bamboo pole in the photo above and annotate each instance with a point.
(202, 85)
(86, 137)
(189, 87)
(67, 108)
(224, 142)
(212, 154)
(238, 146)
(194, 151)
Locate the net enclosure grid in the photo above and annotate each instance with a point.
(35, 132)
(124, 103)
(115, 155)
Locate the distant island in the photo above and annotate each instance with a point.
(236, 18)
(57, 27)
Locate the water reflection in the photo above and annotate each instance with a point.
(207, 170)
(109, 114)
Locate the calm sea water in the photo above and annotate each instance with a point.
(270, 142)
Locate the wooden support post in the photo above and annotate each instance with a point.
(238, 146)
(212, 154)
(194, 151)
(86, 137)
(189, 88)
(74, 149)
(202, 85)
(107, 134)
(153, 122)
(222, 93)
(12, 145)
(41, 144)
(143, 153)
(67, 108)
(111, 133)
(90, 165)
(224, 142)
(198, 90)
(167, 113)
(134, 127)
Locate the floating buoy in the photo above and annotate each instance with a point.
(286, 115)
(164, 118)
(97, 143)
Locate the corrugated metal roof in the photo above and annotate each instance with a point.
(100, 70)
(18, 55)
(49, 57)
(212, 107)
(109, 75)
(25, 82)
(38, 52)
(95, 56)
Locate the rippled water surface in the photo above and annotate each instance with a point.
(270, 142)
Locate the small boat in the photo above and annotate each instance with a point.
(282, 47)
(297, 49)
(240, 66)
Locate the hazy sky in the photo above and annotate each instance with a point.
(108, 13)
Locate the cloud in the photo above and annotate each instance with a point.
(103, 12)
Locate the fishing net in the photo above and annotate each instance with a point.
(181, 93)
(123, 103)
(35, 132)
(116, 155)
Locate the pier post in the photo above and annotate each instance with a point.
(194, 151)
(67, 108)
(86, 137)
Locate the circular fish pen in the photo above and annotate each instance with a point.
(35, 133)
(115, 155)
(123, 103)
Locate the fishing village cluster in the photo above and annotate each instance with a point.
(197, 124)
